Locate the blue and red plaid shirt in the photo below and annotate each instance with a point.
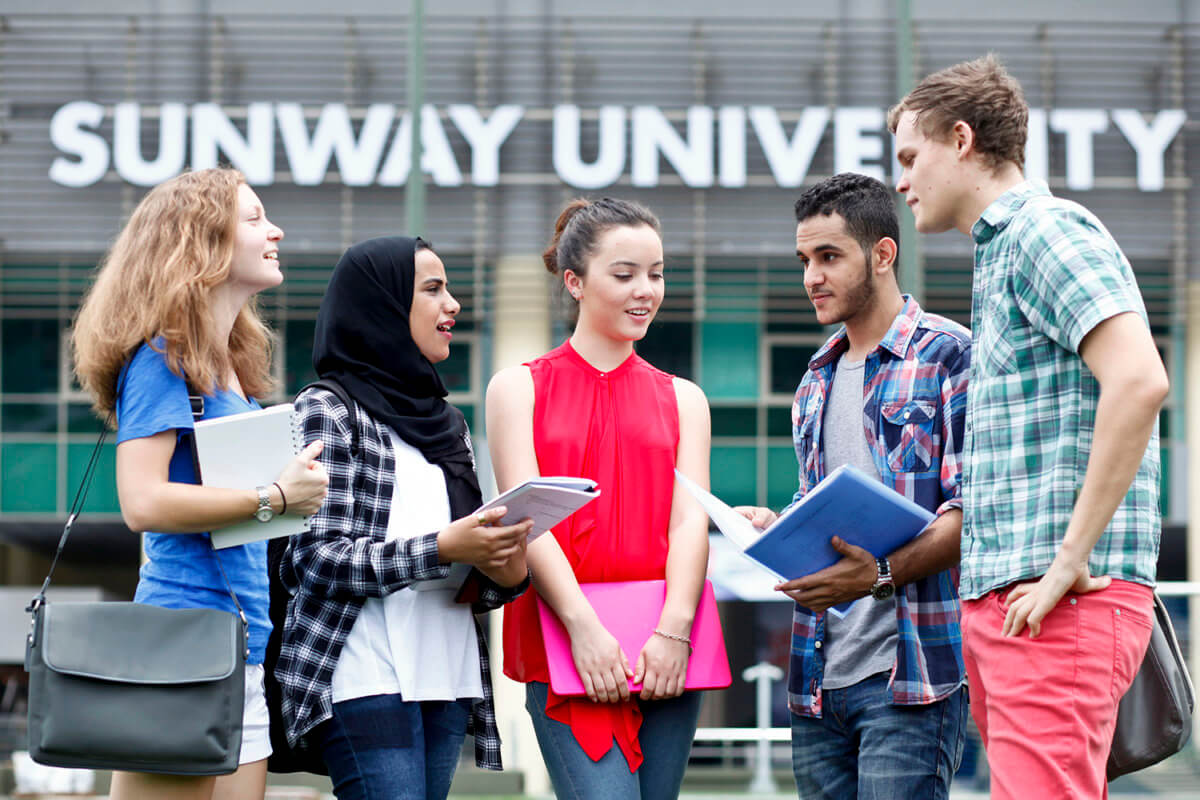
(914, 411)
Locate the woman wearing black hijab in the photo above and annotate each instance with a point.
(383, 671)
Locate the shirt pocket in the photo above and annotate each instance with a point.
(994, 347)
(806, 451)
(909, 433)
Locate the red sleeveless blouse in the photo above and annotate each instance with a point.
(621, 429)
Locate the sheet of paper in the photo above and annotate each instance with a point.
(739, 529)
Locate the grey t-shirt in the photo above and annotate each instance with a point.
(863, 643)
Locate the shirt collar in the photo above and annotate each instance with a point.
(895, 341)
(997, 215)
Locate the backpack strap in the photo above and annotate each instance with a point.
(337, 390)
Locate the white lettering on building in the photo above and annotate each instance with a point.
(703, 146)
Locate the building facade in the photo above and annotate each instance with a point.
(715, 120)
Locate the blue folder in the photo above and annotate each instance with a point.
(849, 504)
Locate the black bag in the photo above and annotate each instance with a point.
(135, 687)
(285, 759)
(1154, 719)
(128, 686)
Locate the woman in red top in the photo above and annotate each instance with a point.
(593, 408)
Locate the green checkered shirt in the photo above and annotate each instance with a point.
(1046, 273)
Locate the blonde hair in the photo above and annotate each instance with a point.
(980, 93)
(158, 280)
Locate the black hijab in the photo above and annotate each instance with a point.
(363, 341)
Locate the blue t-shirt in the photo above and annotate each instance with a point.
(181, 571)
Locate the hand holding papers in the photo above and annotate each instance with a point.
(545, 500)
(848, 504)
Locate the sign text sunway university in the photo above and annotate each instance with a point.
(708, 149)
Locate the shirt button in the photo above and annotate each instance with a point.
(817, 645)
(1074, 600)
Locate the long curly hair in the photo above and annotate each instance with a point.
(157, 285)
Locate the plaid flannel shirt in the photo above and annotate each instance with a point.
(914, 410)
(1047, 273)
(343, 559)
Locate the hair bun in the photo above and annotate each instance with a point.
(550, 254)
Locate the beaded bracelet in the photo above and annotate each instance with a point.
(674, 638)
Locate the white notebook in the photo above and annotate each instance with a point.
(545, 500)
(242, 451)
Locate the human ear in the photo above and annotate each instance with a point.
(884, 254)
(573, 283)
(963, 137)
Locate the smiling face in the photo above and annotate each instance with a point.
(255, 246)
(431, 317)
(623, 284)
(837, 273)
(936, 178)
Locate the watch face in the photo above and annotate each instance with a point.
(265, 514)
(883, 591)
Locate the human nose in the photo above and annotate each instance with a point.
(452, 306)
(642, 286)
(813, 277)
(902, 185)
(275, 232)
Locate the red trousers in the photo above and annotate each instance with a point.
(1047, 707)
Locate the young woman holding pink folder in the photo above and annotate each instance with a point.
(593, 408)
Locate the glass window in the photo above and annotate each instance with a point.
(297, 356)
(789, 362)
(734, 421)
(30, 355)
(27, 473)
(29, 418)
(733, 475)
(668, 346)
(456, 370)
(102, 494)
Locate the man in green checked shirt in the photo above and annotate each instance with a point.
(1060, 478)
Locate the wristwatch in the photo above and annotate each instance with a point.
(884, 587)
(264, 513)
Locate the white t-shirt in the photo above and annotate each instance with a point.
(421, 645)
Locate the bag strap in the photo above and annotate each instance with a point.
(196, 400)
(337, 390)
(76, 506)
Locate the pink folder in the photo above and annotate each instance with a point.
(630, 611)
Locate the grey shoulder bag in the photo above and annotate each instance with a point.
(128, 686)
(1154, 719)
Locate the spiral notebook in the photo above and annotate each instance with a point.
(241, 451)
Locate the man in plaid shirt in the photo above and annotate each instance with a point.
(1060, 483)
(878, 706)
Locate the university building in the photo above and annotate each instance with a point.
(715, 116)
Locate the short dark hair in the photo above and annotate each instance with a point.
(866, 205)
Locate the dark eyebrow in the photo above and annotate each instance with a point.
(434, 280)
(621, 262)
(821, 248)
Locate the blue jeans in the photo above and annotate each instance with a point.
(384, 748)
(668, 727)
(863, 747)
